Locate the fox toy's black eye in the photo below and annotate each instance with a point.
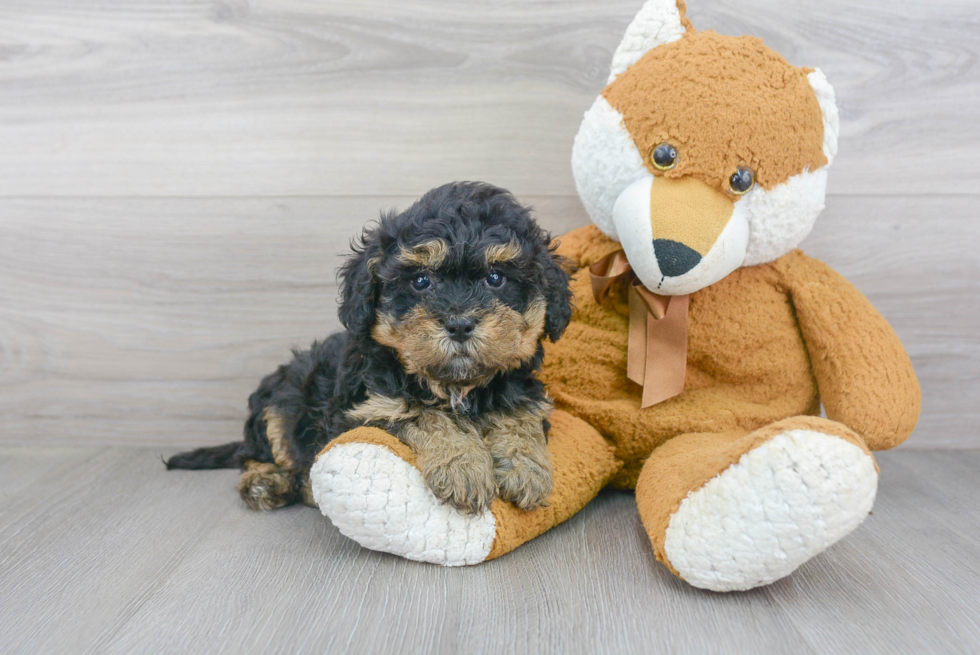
(495, 279)
(664, 157)
(741, 180)
(421, 282)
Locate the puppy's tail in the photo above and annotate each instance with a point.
(216, 457)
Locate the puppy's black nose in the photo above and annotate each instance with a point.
(459, 328)
(674, 258)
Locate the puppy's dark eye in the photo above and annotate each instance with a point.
(741, 180)
(495, 279)
(664, 157)
(421, 282)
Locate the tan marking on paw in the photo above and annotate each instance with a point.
(265, 485)
(519, 450)
(453, 460)
(275, 432)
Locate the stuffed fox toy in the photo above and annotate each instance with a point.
(703, 343)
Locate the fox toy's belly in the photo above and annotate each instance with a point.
(747, 365)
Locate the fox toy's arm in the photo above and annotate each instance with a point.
(863, 373)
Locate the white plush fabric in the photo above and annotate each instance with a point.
(780, 218)
(657, 22)
(604, 162)
(381, 501)
(828, 107)
(778, 506)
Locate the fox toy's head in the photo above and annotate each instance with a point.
(704, 152)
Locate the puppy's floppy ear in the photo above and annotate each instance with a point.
(557, 294)
(358, 286)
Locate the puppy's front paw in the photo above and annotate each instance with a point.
(462, 478)
(524, 479)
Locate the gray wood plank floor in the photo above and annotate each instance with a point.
(103, 551)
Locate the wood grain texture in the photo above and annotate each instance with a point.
(291, 97)
(110, 553)
(151, 320)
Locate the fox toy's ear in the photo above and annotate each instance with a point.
(828, 108)
(657, 22)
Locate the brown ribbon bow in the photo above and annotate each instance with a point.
(657, 355)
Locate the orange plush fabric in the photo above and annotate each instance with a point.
(865, 377)
(763, 344)
(694, 76)
(583, 463)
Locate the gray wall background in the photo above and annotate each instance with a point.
(179, 179)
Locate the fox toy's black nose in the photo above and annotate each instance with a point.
(459, 329)
(674, 258)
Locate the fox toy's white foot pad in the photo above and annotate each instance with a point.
(779, 505)
(381, 501)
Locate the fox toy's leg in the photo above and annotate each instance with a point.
(366, 482)
(729, 512)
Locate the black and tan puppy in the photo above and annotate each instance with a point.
(445, 305)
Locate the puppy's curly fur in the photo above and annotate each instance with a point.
(445, 307)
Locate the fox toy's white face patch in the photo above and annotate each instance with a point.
(781, 217)
(604, 162)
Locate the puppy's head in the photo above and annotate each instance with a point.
(462, 285)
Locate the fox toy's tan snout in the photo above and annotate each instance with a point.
(679, 234)
(686, 219)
